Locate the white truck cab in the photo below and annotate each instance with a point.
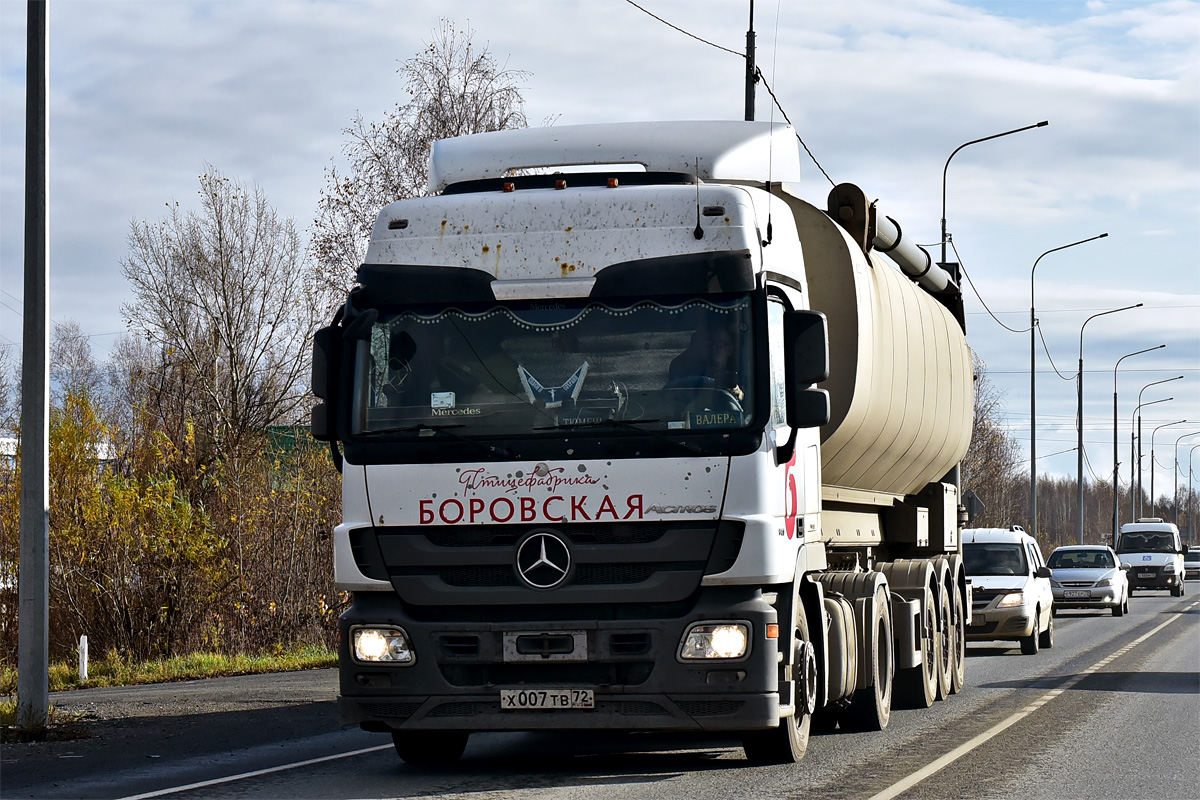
(1154, 553)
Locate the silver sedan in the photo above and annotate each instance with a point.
(1088, 576)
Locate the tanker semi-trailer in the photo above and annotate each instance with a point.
(632, 437)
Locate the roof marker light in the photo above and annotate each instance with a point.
(613, 183)
(560, 184)
(507, 186)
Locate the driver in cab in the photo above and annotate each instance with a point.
(710, 360)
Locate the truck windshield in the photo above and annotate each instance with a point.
(994, 559)
(1146, 542)
(542, 367)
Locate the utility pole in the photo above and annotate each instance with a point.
(751, 75)
(33, 654)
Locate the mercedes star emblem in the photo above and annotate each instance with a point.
(543, 560)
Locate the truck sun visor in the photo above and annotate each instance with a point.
(693, 273)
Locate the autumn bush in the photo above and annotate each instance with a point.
(154, 553)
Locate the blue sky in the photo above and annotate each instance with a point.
(145, 94)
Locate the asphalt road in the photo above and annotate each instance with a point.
(1112, 711)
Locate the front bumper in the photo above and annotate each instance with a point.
(1103, 598)
(1152, 578)
(630, 664)
(990, 623)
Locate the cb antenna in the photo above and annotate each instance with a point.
(751, 76)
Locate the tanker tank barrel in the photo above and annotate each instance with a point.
(912, 259)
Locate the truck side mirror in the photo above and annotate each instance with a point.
(806, 362)
(327, 345)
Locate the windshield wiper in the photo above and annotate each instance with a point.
(492, 450)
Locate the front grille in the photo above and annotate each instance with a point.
(612, 563)
(710, 708)
(1077, 584)
(550, 673)
(391, 710)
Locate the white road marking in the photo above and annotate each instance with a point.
(256, 773)
(896, 789)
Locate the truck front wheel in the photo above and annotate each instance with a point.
(786, 744)
(430, 748)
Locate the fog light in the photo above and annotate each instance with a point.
(381, 646)
(709, 640)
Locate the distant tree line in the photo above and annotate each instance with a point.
(996, 472)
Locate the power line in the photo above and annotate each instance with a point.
(758, 76)
(976, 291)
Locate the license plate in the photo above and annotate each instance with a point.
(1145, 574)
(523, 699)
(1071, 594)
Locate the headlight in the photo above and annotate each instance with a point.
(1055, 584)
(382, 646)
(1011, 599)
(715, 640)
(1170, 567)
(1104, 583)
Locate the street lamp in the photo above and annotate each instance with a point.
(1041, 124)
(1033, 385)
(1140, 507)
(1152, 470)
(1136, 511)
(1116, 463)
(1175, 474)
(1079, 414)
(1191, 494)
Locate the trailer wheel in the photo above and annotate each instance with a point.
(958, 631)
(786, 743)
(916, 687)
(430, 748)
(945, 634)
(870, 708)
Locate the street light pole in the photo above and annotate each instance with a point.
(1117, 464)
(1191, 494)
(1079, 415)
(1175, 475)
(1140, 507)
(1152, 470)
(1041, 124)
(1136, 511)
(1033, 381)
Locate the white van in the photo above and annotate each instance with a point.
(1154, 553)
(1011, 595)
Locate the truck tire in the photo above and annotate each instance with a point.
(958, 631)
(871, 707)
(430, 748)
(787, 743)
(944, 617)
(1046, 640)
(916, 687)
(1029, 644)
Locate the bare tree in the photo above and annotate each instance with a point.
(992, 462)
(73, 368)
(225, 301)
(9, 390)
(455, 89)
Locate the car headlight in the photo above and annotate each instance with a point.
(708, 640)
(1169, 567)
(1011, 599)
(1055, 584)
(1103, 583)
(382, 646)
